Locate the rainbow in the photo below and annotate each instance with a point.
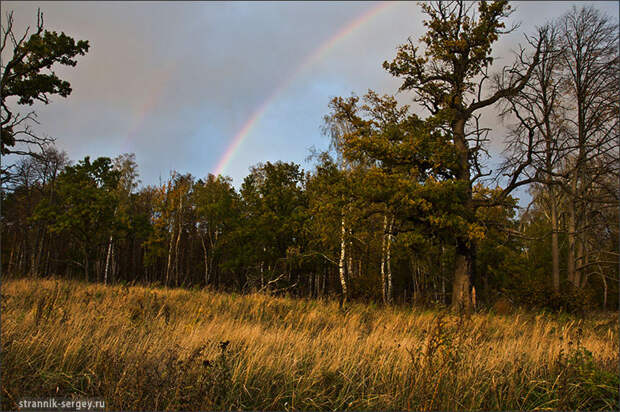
(311, 59)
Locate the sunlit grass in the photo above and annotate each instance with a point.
(141, 348)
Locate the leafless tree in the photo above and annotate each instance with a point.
(536, 141)
(589, 41)
(566, 133)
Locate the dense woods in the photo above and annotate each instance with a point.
(401, 209)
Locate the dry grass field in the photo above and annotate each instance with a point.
(154, 349)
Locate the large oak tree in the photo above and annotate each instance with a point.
(447, 78)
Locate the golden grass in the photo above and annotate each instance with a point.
(141, 348)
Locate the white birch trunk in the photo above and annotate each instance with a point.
(206, 260)
(176, 246)
(383, 276)
(169, 264)
(388, 262)
(342, 262)
(107, 262)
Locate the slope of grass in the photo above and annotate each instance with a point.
(153, 349)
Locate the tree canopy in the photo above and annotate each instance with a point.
(400, 209)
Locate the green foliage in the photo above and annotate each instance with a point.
(272, 221)
(217, 218)
(393, 184)
(538, 293)
(412, 164)
(23, 76)
(28, 76)
(582, 384)
(85, 206)
(86, 198)
(458, 49)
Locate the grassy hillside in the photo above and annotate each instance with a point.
(141, 348)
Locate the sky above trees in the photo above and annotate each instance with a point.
(176, 82)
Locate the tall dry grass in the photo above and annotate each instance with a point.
(153, 349)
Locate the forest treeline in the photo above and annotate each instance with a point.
(402, 207)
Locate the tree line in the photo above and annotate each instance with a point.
(401, 208)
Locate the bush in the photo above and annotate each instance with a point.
(538, 294)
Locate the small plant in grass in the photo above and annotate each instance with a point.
(587, 385)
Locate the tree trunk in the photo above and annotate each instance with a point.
(549, 152)
(33, 255)
(48, 259)
(604, 289)
(383, 249)
(114, 266)
(570, 264)
(388, 263)
(169, 265)
(107, 261)
(9, 269)
(578, 261)
(86, 264)
(461, 298)
(581, 255)
(555, 248)
(206, 260)
(40, 254)
(98, 275)
(324, 286)
(342, 262)
(212, 243)
(443, 290)
(415, 279)
(176, 246)
(585, 275)
(349, 271)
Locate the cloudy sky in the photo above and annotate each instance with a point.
(202, 87)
